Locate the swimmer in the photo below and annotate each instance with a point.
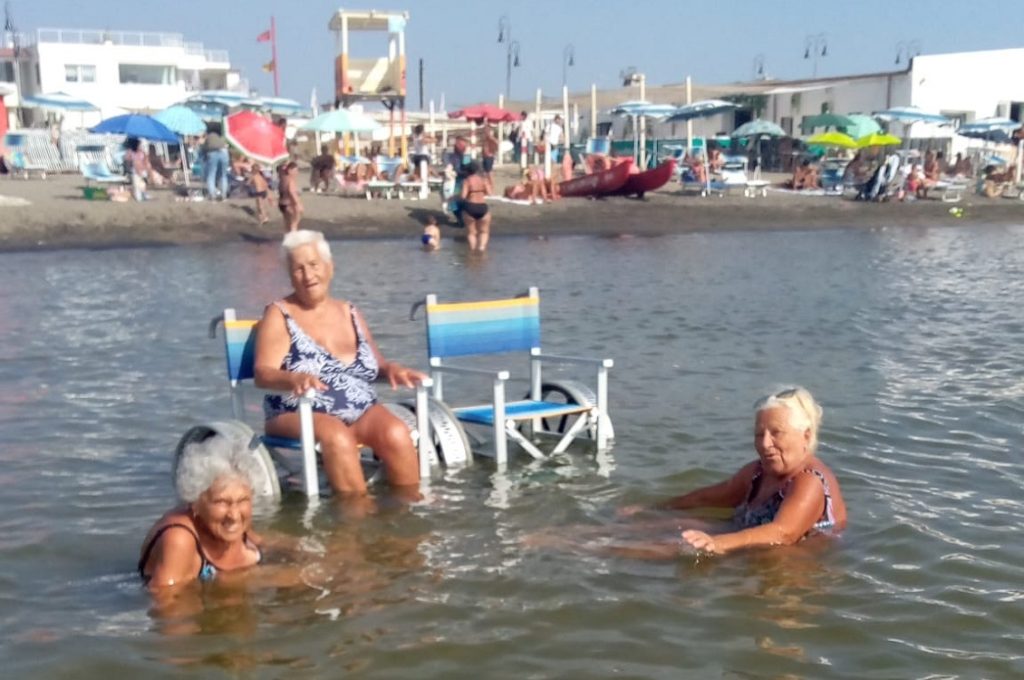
(431, 238)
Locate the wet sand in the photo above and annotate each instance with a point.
(59, 216)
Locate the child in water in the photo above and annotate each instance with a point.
(431, 238)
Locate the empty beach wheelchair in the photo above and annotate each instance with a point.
(294, 461)
(556, 410)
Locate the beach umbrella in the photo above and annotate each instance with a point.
(701, 109)
(486, 112)
(910, 114)
(989, 129)
(136, 125)
(342, 120)
(640, 107)
(226, 97)
(758, 128)
(878, 139)
(288, 107)
(860, 125)
(833, 139)
(825, 120)
(256, 136)
(181, 119)
(58, 101)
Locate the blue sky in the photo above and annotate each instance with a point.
(714, 41)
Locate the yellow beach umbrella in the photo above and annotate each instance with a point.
(833, 139)
(878, 139)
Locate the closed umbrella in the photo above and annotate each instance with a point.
(256, 137)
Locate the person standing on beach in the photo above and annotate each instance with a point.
(525, 139)
(260, 190)
(288, 195)
(215, 163)
(489, 149)
(554, 139)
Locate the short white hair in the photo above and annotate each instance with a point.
(202, 463)
(804, 412)
(304, 237)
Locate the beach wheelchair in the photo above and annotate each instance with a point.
(294, 461)
(558, 410)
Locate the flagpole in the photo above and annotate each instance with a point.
(273, 55)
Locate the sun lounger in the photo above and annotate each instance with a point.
(95, 171)
(386, 187)
(951, 190)
(21, 166)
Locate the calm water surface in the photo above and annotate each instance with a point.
(913, 339)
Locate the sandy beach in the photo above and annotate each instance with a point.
(59, 217)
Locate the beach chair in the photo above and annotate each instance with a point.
(239, 346)
(97, 171)
(832, 170)
(562, 410)
(388, 186)
(20, 166)
(951, 189)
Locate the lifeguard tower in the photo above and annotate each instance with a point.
(372, 79)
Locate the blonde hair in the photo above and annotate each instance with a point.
(804, 412)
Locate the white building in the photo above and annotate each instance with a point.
(120, 71)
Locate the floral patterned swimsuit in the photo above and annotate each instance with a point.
(349, 390)
(748, 515)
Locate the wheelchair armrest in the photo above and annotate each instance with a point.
(561, 359)
(497, 375)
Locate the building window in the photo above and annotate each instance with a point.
(79, 73)
(148, 74)
(6, 72)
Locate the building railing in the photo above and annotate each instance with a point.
(129, 38)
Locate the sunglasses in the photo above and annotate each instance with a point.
(787, 393)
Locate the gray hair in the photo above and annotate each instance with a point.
(304, 237)
(804, 412)
(204, 462)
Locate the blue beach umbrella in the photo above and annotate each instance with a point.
(701, 109)
(640, 107)
(136, 125)
(58, 101)
(278, 105)
(989, 129)
(758, 128)
(342, 120)
(911, 114)
(182, 120)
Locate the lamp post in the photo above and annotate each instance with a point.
(815, 46)
(568, 59)
(759, 67)
(907, 49)
(511, 52)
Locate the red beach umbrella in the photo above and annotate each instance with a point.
(256, 136)
(487, 112)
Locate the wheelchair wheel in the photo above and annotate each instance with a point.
(447, 437)
(267, 486)
(570, 392)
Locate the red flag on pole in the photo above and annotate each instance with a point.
(270, 67)
(263, 37)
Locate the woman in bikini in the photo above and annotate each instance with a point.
(310, 340)
(475, 213)
(210, 532)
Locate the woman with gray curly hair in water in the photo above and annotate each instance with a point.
(209, 532)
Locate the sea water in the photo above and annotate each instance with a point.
(912, 339)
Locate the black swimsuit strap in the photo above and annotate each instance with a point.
(156, 537)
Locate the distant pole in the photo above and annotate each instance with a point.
(593, 110)
(537, 127)
(565, 119)
(501, 131)
(421, 84)
(642, 124)
(273, 56)
(689, 123)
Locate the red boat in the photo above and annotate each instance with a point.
(598, 183)
(642, 182)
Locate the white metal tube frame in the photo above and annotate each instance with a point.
(536, 357)
(498, 393)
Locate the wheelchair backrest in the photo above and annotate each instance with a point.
(239, 345)
(483, 327)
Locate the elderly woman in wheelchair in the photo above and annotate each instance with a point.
(312, 341)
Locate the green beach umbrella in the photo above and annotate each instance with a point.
(861, 125)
